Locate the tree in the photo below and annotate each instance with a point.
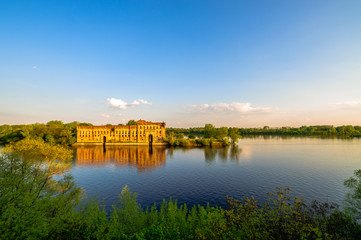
(85, 124)
(55, 123)
(191, 136)
(55, 158)
(131, 122)
(233, 134)
(179, 136)
(33, 205)
(222, 132)
(332, 131)
(349, 130)
(209, 131)
(353, 197)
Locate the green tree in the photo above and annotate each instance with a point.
(85, 124)
(131, 122)
(179, 136)
(55, 158)
(191, 136)
(349, 130)
(33, 205)
(55, 123)
(233, 134)
(332, 131)
(222, 132)
(353, 198)
(209, 131)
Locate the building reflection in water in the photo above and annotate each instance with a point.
(146, 158)
(141, 158)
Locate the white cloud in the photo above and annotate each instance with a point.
(105, 115)
(144, 102)
(235, 107)
(120, 104)
(34, 67)
(349, 103)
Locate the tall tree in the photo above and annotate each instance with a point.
(132, 122)
(209, 131)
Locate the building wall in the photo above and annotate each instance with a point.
(142, 132)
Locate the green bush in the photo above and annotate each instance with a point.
(32, 204)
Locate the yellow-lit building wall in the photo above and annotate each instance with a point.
(142, 132)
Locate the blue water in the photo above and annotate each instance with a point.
(312, 167)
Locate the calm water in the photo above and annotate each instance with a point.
(314, 168)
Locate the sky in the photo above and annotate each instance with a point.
(185, 62)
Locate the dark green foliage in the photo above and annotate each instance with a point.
(198, 142)
(283, 218)
(211, 137)
(54, 132)
(132, 122)
(278, 218)
(353, 197)
(32, 204)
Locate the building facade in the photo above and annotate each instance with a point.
(143, 132)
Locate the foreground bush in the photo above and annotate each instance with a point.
(33, 204)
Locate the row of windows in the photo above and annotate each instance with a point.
(149, 127)
(107, 132)
(118, 135)
(112, 135)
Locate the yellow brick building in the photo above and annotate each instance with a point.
(143, 132)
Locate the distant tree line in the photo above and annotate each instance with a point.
(57, 132)
(53, 132)
(210, 131)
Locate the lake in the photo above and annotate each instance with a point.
(312, 167)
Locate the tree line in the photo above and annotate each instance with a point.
(57, 132)
(53, 132)
(210, 131)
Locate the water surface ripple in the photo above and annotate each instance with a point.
(312, 167)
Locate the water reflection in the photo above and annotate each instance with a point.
(232, 153)
(314, 168)
(142, 158)
(146, 158)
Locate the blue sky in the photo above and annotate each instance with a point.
(230, 63)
